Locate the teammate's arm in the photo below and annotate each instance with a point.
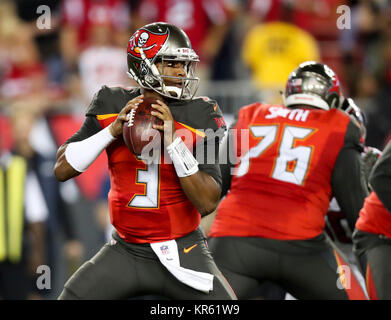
(348, 184)
(380, 179)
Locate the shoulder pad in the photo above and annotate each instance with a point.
(353, 135)
(110, 100)
(198, 113)
(248, 111)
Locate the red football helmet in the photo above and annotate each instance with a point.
(159, 42)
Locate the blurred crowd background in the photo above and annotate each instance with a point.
(49, 75)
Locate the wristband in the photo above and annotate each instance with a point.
(184, 162)
(81, 154)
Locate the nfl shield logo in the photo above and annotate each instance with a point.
(164, 249)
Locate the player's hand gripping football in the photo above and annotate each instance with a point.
(116, 126)
(162, 112)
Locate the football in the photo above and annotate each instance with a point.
(137, 132)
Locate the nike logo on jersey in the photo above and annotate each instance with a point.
(187, 250)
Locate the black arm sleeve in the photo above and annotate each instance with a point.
(348, 184)
(225, 165)
(380, 179)
(227, 159)
(90, 127)
(208, 158)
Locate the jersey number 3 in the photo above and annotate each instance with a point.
(149, 177)
(292, 163)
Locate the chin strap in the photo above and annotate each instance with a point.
(171, 92)
(172, 89)
(152, 66)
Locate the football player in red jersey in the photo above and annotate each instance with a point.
(372, 236)
(157, 246)
(336, 224)
(270, 224)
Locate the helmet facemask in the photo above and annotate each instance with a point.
(176, 87)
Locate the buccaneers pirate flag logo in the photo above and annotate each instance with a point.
(151, 43)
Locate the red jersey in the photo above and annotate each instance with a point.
(20, 81)
(281, 188)
(146, 201)
(192, 16)
(374, 217)
(83, 14)
(315, 17)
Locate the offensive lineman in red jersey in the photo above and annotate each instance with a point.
(270, 224)
(157, 247)
(372, 237)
